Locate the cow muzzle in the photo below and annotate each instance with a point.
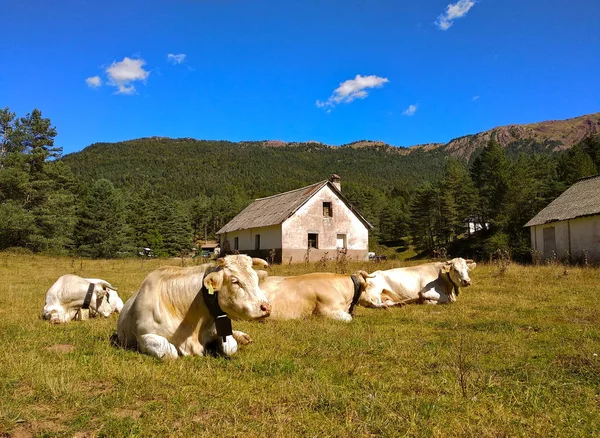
(465, 283)
(266, 309)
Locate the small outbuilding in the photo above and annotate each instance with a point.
(570, 225)
(308, 223)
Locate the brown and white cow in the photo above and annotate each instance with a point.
(72, 297)
(179, 311)
(319, 293)
(430, 283)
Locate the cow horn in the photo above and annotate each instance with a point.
(107, 285)
(259, 262)
(469, 260)
(364, 274)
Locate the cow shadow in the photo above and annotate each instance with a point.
(211, 349)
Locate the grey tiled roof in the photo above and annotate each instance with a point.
(275, 209)
(581, 199)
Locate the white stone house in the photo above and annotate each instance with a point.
(569, 227)
(311, 222)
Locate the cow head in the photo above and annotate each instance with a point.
(458, 271)
(240, 297)
(107, 300)
(371, 295)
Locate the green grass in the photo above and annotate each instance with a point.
(516, 355)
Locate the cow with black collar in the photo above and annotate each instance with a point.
(430, 283)
(184, 311)
(319, 293)
(75, 298)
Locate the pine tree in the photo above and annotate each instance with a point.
(199, 211)
(36, 192)
(489, 173)
(101, 230)
(459, 186)
(575, 164)
(424, 214)
(591, 146)
(174, 226)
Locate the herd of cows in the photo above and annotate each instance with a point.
(188, 311)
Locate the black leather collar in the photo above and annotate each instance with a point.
(222, 321)
(455, 287)
(88, 296)
(357, 293)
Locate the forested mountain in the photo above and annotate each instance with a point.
(112, 199)
(225, 176)
(184, 167)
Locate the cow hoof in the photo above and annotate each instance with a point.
(242, 338)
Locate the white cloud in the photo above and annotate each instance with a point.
(124, 73)
(410, 111)
(176, 59)
(475, 98)
(454, 11)
(93, 81)
(352, 89)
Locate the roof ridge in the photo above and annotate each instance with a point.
(588, 177)
(292, 191)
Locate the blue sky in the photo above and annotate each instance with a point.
(396, 71)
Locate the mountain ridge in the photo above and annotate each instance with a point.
(548, 136)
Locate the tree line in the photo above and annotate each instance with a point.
(498, 193)
(113, 199)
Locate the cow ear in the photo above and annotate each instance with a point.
(471, 266)
(446, 267)
(101, 292)
(214, 281)
(386, 295)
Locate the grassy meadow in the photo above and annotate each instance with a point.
(517, 355)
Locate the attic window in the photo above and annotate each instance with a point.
(327, 210)
(313, 240)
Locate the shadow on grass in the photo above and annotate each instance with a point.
(211, 349)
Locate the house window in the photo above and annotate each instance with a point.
(341, 241)
(313, 240)
(236, 243)
(257, 242)
(327, 210)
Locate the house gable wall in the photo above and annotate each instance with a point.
(310, 219)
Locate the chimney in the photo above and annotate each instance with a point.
(337, 181)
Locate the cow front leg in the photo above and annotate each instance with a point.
(339, 315)
(430, 296)
(157, 346)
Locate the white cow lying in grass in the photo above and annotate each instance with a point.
(186, 311)
(431, 283)
(72, 297)
(319, 293)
